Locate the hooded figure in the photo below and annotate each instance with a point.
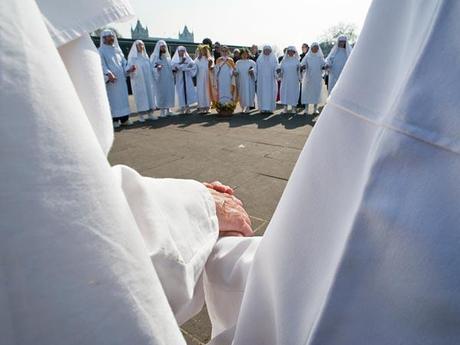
(364, 245)
(184, 69)
(225, 81)
(267, 87)
(246, 75)
(290, 78)
(115, 68)
(142, 79)
(204, 78)
(313, 91)
(164, 78)
(89, 253)
(337, 59)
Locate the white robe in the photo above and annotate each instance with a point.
(312, 82)
(102, 255)
(246, 83)
(142, 83)
(336, 64)
(186, 92)
(112, 60)
(164, 83)
(203, 82)
(364, 245)
(290, 81)
(267, 86)
(225, 82)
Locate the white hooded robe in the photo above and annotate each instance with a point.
(267, 86)
(142, 82)
(184, 71)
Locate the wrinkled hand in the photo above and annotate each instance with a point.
(233, 219)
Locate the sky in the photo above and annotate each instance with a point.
(244, 22)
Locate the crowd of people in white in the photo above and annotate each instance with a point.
(162, 83)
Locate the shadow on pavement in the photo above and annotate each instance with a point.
(289, 121)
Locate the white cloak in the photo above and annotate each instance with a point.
(290, 80)
(225, 82)
(312, 82)
(185, 89)
(113, 60)
(164, 82)
(101, 255)
(336, 64)
(267, 86)
(203, 86)
(246, 83)
(364, 245)
(142, 82)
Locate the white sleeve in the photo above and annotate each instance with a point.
(225, 279)
(178, 222)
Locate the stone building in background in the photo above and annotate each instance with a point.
(186, 35)
(139, 32)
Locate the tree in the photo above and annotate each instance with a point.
(99, 31)
(329, 37)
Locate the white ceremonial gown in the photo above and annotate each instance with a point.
(225, 82)
(364, 245)
(113, 60)
(185, 89)
(203, 87)
(142, 80)
(91, 254)
(312, 81)
(246, 83)
(267, 86)
(290, 80)
(164, 80)
(336, 61)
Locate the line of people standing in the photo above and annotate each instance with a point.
(213, 77)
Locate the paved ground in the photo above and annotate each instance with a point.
(253, 153)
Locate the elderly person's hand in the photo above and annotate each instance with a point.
(233, 219)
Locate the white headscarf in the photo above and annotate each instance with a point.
(133, 53)
(286, 56)
(310, 53)
(156, 52)
(264, 58)
(177, 59)
(335, 48)
(106, 33)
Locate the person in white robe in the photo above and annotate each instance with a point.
(267, 74)
(142, 81)
(115, 69)
(290, 79)
(312, 66)
(164, 78)
(184, 69)
(205, 65)
(337, 59)
(364, 245)
(225, 81)
(246, 75)
(102, 255)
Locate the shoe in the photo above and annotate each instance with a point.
(141, 118)
(116, 124)
(127, 123)
(153, 117)
(163, 113)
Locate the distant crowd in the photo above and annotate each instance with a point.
(218, 78)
